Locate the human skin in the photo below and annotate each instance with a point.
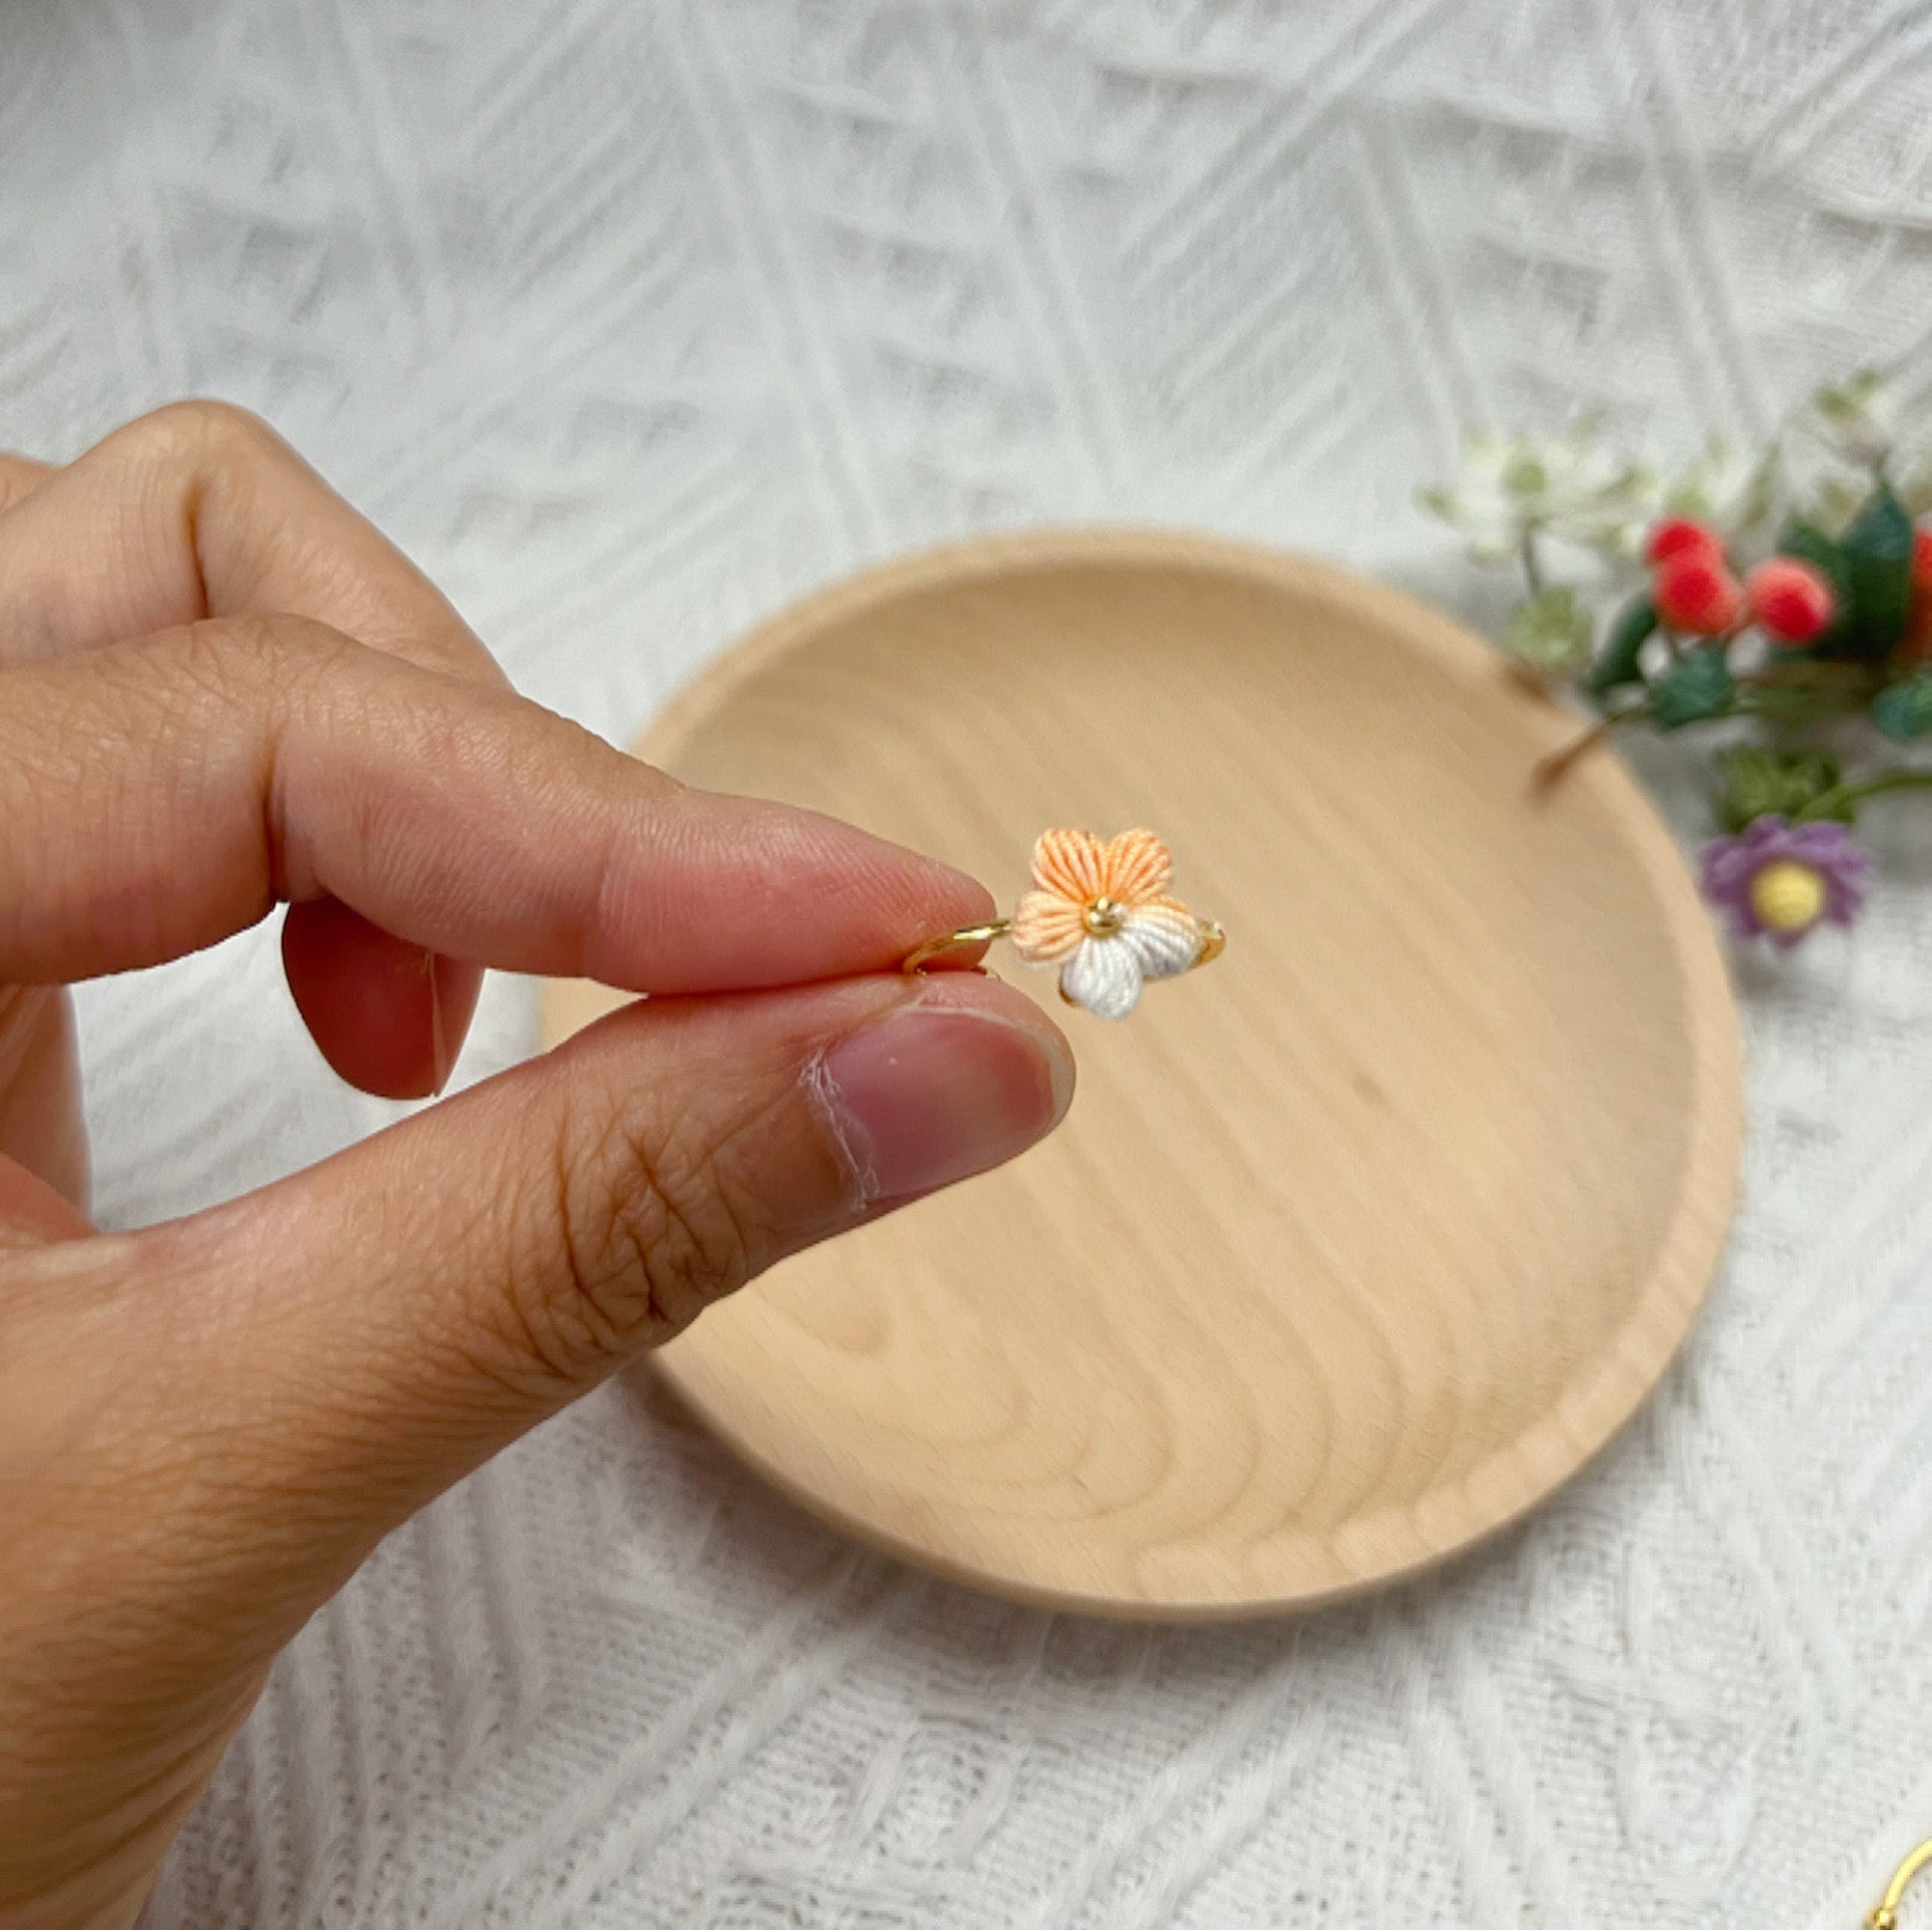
(221, 691)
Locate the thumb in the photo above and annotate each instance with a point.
(380, 1324)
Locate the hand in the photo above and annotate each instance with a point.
(220, 690)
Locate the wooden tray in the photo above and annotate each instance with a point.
(1355, 1244)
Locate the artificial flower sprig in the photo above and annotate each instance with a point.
(1788, 595)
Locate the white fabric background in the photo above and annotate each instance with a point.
(632, 321)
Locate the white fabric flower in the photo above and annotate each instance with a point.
(1567, 487)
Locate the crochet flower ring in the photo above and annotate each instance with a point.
(1101, 912)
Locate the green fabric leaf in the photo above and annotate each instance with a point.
(1809, 543)
(1878, 561)
(1754, 782)
(1552, 630)
(1618, 664)
(1697, 686)
(1904, 710)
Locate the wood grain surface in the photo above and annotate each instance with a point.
(1357, 1242)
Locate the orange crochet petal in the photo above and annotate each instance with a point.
(1046, 927)
(1070, 863)
(1136, 867)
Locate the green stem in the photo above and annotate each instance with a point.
(1807, 674)
(1532, 569)
(1554, 766)
(1829, 803)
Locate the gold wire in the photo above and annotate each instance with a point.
(1885, 1913)
(918, 959)
(1213, 943)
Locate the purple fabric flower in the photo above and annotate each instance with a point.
(1781, 881)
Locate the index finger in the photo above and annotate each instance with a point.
(167, 792)
(201, 509)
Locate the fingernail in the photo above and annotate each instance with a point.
(442, 1048)
(935, 1092)
(453, 988)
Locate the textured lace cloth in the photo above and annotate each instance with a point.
(632, 320)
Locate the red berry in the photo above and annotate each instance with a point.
(1921, 562)
(1790, 598)
(1683, 535)
(1697, 597)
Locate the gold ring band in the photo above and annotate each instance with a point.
(1213, 943)
(918, 959)
(1885, 1913)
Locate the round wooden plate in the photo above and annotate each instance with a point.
(1355, 1244)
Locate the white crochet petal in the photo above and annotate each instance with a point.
(1104, 976)
(1165, 940)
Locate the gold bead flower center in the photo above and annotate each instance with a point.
(1103, 918)
(1788, 896)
